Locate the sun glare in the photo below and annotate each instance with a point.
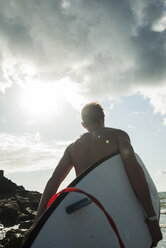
(41, 100)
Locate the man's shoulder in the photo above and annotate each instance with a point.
(122, 134)
(88, 135)
(82, 138)
(117, 131)
(79, 140)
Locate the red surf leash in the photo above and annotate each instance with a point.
(97, 202)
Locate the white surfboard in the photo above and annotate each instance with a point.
(88, 227)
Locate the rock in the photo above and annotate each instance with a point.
(8, 213)
(13, 239)
(16, 203)
(1, 173)
(17, 206)
(8, 188)
(26, 224)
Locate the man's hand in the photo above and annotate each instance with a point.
(26, 235)
(155, 232)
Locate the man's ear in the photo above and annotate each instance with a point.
(83, 124)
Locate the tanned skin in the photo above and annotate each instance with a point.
(94, 145)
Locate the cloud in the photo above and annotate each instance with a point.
(160, 25)
(164, 121)
(130, 126)
(157, 96)
(109, 48)
(29, 152)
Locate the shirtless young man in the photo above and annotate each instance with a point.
(94, 145)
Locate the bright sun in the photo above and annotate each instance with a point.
(41, 100)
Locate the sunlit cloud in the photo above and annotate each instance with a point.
(130, 126)
(3, 121)
(160, 25)
(157, 99)
(105, 49)
(41, 100)
(111, 106)
(164, 121)
(29, 152)
(32, 122)
(65, 3)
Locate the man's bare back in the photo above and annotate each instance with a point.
(93, 146)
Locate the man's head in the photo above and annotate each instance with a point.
(92, 115)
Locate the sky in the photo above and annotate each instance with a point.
(57, 55)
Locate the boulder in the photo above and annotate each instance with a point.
(26, 224)
(17, 207)
(13, 239)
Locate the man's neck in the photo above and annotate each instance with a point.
(94, 127)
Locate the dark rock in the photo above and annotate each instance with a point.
(8, 188)
(13, 239)
(17, 205)
(1, 173)
(26, 224)
(8, 212)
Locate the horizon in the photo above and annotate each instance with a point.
(12, 179)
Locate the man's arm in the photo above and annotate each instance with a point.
(59, 174)
(139, 184)
(135, 174)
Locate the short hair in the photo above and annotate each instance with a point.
(92, 113)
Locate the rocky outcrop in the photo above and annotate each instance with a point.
(17, 206)
(13, 239)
